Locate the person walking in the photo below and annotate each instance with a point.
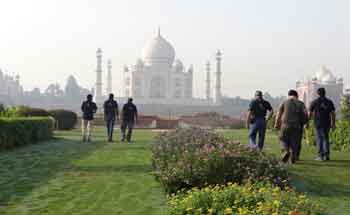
(256, 120)
(323, 111)
(129, 118)
(88, 108)
(111, 114)
(291, 116)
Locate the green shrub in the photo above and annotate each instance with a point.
(340, 137)
(25, 111)
(188, 158)
(64, 119)
(250, 199)
(21, 131)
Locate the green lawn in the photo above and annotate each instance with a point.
(64, 176)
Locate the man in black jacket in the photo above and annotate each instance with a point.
(323, 111)
(129, 117)
(111, 114)
(88, 108)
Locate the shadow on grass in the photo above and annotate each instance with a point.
(317, 187)
(29, 167)
(132, 169)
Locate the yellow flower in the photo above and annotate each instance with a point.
(228, 211)
(210, 210)
(276, 203)
(189, 209)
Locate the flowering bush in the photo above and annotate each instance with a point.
(189, 158)
(250, 199)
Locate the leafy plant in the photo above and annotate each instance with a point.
(250, 199)
(188, 158)
(340, 137)
(345, 107)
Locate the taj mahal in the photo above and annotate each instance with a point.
(158, 77)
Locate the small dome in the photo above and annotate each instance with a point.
(178, 66)
(158, 50)
(139, 63)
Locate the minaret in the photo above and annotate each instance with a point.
(98, 95)
(109, 77)
(189, 93)
(208, 82)
(218, 94)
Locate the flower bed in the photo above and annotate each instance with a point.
(188, 158)
(249, 199)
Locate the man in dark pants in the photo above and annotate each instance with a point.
(88, 108)
(111, 114)
(129, 117)
(323, 111)
(256, 120)
(291, 116)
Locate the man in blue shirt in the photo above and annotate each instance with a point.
(256, 120)
(88, 108)
(111, 114)
(323, 111)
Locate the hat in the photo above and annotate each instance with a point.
(258, 93)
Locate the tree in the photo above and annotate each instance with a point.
(345, 107)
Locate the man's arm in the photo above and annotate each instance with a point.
(278, 120)
(249, 118)
(117, 111)
(333, 120)
(136, 114)
(83, 107)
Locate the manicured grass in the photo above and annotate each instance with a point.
(64, 176)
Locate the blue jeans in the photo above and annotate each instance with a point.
(322, 139)
(258, 127)
(110, 127)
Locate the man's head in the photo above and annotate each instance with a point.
(293, 93)
(130, 100)
(321, 92)
(89, 97)
(111, 96)
(258, 94)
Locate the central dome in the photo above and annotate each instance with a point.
(325, 75)
(158, 50)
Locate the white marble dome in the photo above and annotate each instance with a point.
(325, 75)
(158, 50)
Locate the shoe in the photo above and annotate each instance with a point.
(327, 158)
(319, 159)
(122, 140)
(285, 157)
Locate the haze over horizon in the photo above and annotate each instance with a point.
(266, 45)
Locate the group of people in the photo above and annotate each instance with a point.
(128, 118)
(291, 118)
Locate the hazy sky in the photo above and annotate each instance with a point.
(266, 44)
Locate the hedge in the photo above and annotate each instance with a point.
(25, 111)
(64, 119)
(16, 132)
